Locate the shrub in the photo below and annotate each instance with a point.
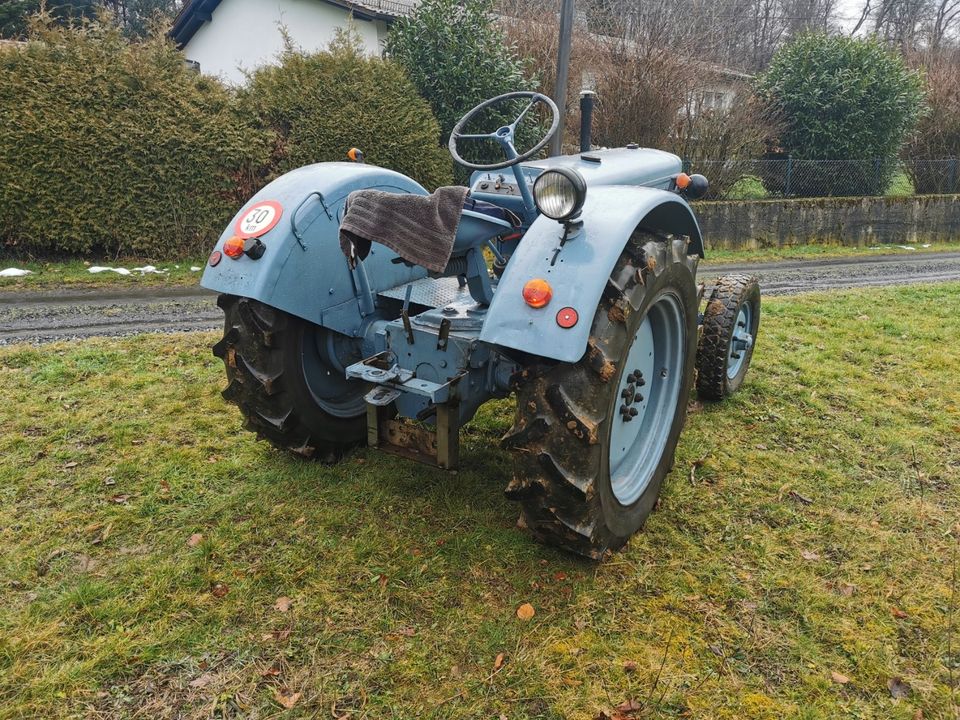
(938, 135)
(320, 105)
(112, 147)
(717, 141)
(641, 83)
(843, 98)
(456, 56)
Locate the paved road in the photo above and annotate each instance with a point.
(59, 315)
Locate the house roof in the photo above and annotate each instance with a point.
(196, 12)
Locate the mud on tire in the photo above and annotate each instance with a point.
(272, 364)
(565, 412)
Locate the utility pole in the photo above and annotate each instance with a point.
(563, 72)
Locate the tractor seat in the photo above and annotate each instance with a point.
(494, 211)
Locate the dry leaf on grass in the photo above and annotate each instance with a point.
(219, 589)
(898, 688)
(285, 698)
(526, 612)
(276, 636)
(839, 678)
(283, 603)
(809, 555)
(898, 613)
(498, 663)
(401, 633)
(195, 539)
(102, 537)
(202, 681)
(630, 666)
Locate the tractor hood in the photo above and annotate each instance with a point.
(619, 166)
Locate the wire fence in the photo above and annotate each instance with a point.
(759, 179)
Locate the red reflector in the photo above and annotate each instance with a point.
(537, 293)
(567, 318)
(215, 258)
(233, 248)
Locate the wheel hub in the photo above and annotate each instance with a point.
(324, 356)
(741, 342)
(646, 399)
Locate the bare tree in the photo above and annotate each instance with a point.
(912, 25)
(946, 17)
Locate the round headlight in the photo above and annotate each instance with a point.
(559, 193)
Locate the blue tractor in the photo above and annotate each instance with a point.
(361, 309)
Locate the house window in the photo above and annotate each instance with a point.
(712, 100)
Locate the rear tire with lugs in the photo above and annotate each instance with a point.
(595, 439)
(286, 376)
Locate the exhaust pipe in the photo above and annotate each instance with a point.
(587, 98)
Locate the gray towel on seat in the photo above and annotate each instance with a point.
(420, 229)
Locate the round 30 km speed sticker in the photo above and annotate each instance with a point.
(259, 220)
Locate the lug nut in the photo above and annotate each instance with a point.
(638, 398)
(634, 412)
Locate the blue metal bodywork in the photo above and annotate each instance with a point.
(309, 276)
(578, 271)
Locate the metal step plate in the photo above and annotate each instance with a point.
(430, 293)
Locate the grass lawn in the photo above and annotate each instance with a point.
(818, 252)
(156, 561)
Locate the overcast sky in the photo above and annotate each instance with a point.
(848, 12)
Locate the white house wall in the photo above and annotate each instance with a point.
(246, 34)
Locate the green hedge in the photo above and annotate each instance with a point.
(321, 105)
(112, 147)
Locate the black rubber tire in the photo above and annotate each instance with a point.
(730, 294)
(565, 412)
(263, 349)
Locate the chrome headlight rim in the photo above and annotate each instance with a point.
(574, 184)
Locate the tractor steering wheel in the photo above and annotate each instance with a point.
(506, 134)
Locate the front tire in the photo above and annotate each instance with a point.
(286, 376)
(595, 439)
(730, 325)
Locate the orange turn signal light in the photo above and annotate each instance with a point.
(683, 181)
(537, 293)
(233, 248)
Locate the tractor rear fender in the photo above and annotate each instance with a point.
(578, 273)
(303, 271)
